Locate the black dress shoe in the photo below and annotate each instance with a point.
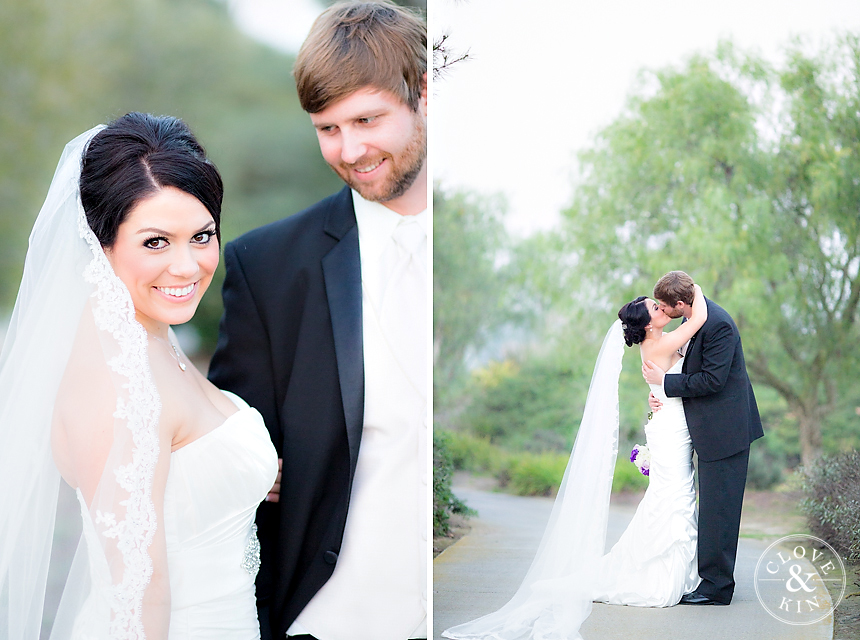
(698, 598)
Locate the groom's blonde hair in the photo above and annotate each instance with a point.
(354, 45)
(675, 287)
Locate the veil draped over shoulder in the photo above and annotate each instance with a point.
(555, 597)
(73, 331)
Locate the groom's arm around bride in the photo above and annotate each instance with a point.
(723, 419)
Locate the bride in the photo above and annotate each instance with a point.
(654, 562)
(168, 470)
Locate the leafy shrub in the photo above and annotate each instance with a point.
(475, 453)
(511, 401)
(530, 474)
(527, 473)
(832, 501)
(444, 501)
(545, 440)
(536, 474)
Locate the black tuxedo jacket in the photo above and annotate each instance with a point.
(719, 403)
(291, 345)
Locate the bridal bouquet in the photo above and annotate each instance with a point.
(641, 457)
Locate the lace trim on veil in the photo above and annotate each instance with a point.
(114, 314)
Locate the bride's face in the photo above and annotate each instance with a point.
(658, 318)
(165, 253)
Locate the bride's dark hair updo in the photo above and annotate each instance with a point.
(133, 158)
(634, 318)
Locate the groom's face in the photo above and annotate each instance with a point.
(375, 143)
(673, 312)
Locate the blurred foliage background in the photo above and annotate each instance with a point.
(744, 174)
(66, 66)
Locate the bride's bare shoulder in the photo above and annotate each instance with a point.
(648, 349)
(657, 351)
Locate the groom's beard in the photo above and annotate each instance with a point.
(406, 166)
(674, 313)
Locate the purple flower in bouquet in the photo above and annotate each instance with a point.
(641, 457)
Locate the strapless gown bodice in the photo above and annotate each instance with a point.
(214, 486)
(657, 389)
(213, 489)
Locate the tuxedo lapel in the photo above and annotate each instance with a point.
(691, 347)
(342, 275)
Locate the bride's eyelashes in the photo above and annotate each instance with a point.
(204, 237)
(155, 242)
(200, 238)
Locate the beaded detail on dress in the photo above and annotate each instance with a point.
(251, 561)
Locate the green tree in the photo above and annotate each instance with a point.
(468, 283)
(745, 176)
(66, 66)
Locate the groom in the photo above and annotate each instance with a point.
(723, 420)
(324, 331)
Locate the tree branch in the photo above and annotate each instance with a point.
(758, 365)
(444, 58)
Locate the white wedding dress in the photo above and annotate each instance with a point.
(213, 489)
(654, 562)
(75, 316)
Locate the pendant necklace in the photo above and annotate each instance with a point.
(178, 359)
(175, 351)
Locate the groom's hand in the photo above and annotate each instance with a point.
(275, 492)
(652, 373)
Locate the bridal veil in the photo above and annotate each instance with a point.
(73, 331)
(555, 597)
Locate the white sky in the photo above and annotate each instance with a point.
(282, 24)
(546, 75)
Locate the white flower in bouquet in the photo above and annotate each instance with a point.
(641, 457)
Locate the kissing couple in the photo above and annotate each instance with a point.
(701, 399)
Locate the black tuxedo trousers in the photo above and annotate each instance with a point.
(721, 497)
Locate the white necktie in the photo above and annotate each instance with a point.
(404, 301)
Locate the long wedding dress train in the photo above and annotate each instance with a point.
(653, 563)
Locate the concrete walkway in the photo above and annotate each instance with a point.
(482, 571)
